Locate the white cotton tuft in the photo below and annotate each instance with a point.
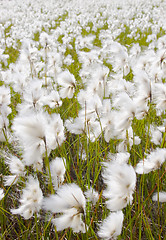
(156, 135)
(16, 166)
(56, 134)
(31, 129)
(57, 168)
(152, 162)
(72, 219)
(120, 158)
(1, 194)
(161, 197)
(10, 180)
(67, 196)
(31, 199)
(70, 201)
(92, 195)
(66, 80)
(111, 227)
(121, 181)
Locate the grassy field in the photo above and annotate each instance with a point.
(82, 120)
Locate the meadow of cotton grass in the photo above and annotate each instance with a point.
(82, 119)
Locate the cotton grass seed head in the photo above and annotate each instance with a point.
(69, 200)
(1, 194)
(121, 181)
(161, 197)
(30, 200)
(153, 161)
(57, 168)
(111, 227)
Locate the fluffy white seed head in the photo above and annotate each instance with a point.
(92, 195)
(161, 197)
(16, 166)
(71, 218)
(152, 162)
(66, 197)
(111, 227)
(57, 168)
(121, 181)
(10, 180)
(56, 134)
(120, 158)
(1, 194)
(67, 82)
(70, 201)
(31, 128)
(30, 200)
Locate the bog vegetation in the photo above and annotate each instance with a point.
(82, 119)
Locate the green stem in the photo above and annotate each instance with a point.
(141, 205)
(50, 186)
(56, 233)
(130, 219)
(163, 140)
(127, 139)
(158, 203)
(37, 236)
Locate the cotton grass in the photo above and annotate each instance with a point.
(82, 119)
